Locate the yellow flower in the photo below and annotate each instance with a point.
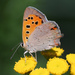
(70, 58)
(57, 66)
(58, 50)
(53, 52)
(40, 71)
(23, 67)
(72, 69)
(48, 54)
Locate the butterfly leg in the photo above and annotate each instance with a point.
(24, 55)
(32, 56)
(36, 56)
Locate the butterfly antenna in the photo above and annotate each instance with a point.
(14, 47)
(15, 51)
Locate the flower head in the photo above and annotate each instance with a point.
(72, 69)
(58, 50)
(57, 66)
(53, 52)
(23, 67)
(40, 71)
(70, 58)
(48, 54)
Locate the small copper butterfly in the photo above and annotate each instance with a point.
(38, 32)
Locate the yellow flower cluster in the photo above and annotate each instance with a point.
(71, 59)
(40, 71)
(58, 50)
(57, 66)
(23, 66)
(54, 52)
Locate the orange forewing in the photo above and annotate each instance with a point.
(29, 25)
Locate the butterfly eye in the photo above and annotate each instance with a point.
(27, 26)
(36, 22)
(21, 44)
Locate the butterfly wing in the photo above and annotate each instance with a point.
(31, 10)
(32, 18)
(44, 37)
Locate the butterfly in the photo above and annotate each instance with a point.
(38, 33)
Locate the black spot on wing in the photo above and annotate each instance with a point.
(27, 26)
(54, 28)
(40, 17)
(27, 32)
(28, 17)
(36, 22)
(32, 22)
(42, 21)
(31, 17)
(26, 37)
(25, 19)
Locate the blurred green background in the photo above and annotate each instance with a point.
(11, 18)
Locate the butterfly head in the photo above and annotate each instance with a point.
(22, 44)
